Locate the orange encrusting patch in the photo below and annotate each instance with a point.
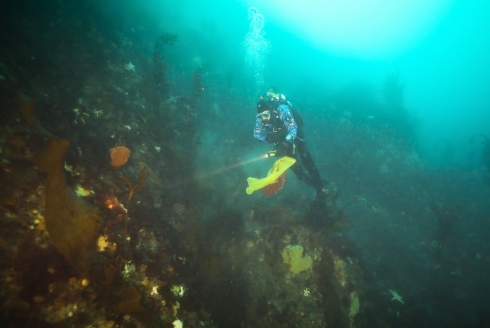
(119, 156)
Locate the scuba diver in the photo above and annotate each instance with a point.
(278, 123)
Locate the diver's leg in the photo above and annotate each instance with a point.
(300, 174)
(307, 161)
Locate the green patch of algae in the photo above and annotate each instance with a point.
(292, 255)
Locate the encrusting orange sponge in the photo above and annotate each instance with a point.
(119, 156)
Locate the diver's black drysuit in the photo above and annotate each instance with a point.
(284, 132)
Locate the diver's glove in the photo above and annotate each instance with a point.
(282, 148)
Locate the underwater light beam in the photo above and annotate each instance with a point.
(180, 183)
(232, 166)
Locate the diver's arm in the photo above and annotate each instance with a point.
(259, 132)
(289, 122)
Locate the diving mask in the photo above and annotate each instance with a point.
(265, 115)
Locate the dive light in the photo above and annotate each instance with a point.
(270, 154)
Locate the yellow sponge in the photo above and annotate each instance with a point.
(293, 255)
